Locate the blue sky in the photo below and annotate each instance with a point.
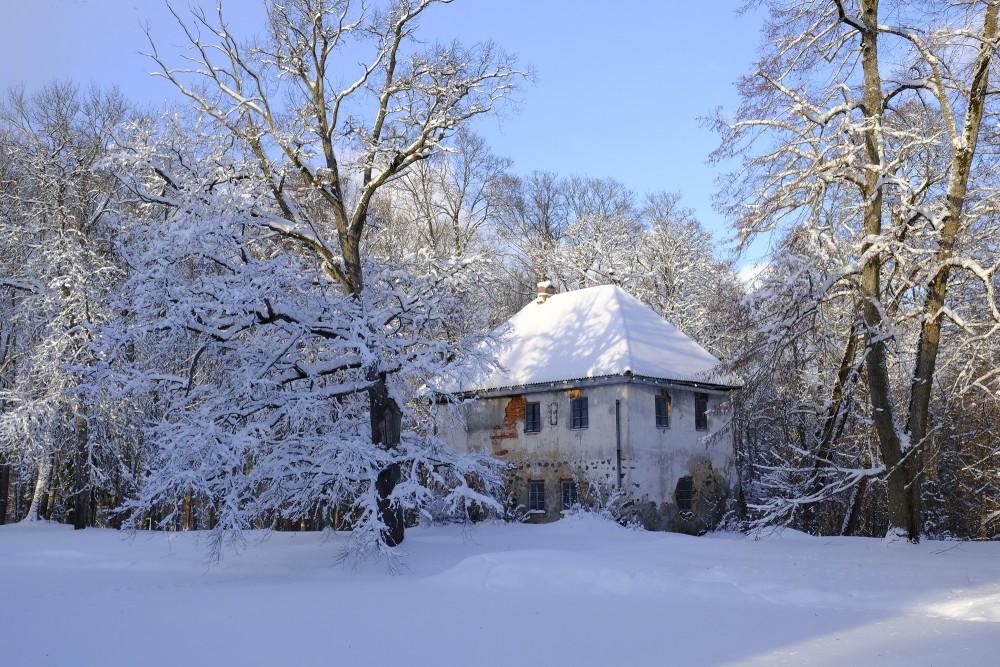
(618, 91)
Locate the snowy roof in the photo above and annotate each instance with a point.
(593, 332)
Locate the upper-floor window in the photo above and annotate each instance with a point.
(579, 416)
(701, 412)
(532, 417)
(663, 409)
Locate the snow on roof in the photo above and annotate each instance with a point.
(593, 332)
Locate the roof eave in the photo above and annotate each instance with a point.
(576, 383)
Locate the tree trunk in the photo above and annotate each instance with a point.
(385, 416)
(41, 494)
(4, 491)
(831, 426)
(952, 225)
(80, 507)
(853, 517)
(187, 511)
(904, 506)
(386, 423)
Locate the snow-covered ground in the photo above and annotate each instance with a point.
(578, 592)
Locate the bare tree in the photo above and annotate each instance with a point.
(532, 220)
(448, 203)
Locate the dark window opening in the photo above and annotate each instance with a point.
(532, 417)
(701, 412)
(579, 417)
(570, 494)
(684, 494)
(663, 410)
(536, 496)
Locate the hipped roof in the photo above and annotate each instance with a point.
(590, 333)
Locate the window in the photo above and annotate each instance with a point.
(532, 417)
(701, 412)
(663, 409)
(536, 496)
(570, 496)
(579, 417)
(684, 494)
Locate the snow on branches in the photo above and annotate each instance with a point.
(259, 366)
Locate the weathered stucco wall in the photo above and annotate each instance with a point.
(662, 456)
(652, 459)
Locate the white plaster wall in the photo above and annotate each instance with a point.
(653, 459)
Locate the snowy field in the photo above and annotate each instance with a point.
(578, 592)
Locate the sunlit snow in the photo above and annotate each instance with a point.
(581, 591)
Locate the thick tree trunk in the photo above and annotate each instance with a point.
(386, 421)
(951, 227)
(385, 416)
(904, 506)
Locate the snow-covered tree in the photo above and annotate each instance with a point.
(448, 202)
(253, 362)
(336, 99)
(57, 271)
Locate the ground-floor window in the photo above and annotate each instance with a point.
(684, 494)
(570, 495)
(536, 496)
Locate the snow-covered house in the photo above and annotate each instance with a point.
(599, 394)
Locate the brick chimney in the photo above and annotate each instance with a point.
(545, 290)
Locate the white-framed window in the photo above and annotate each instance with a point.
(536, 496)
